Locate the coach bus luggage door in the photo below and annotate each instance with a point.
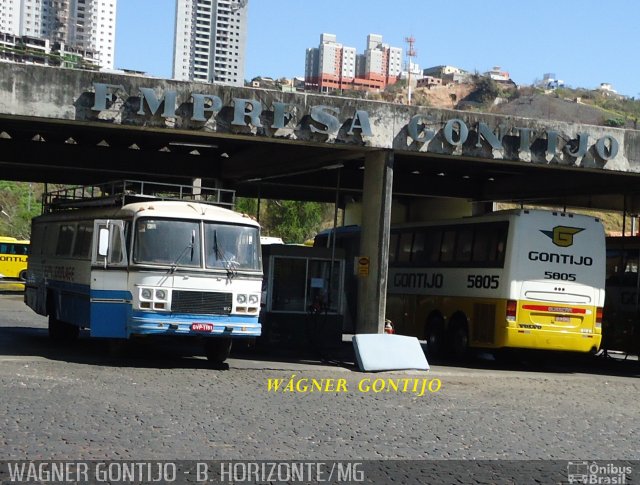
(110, 296)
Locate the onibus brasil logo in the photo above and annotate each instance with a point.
(597, 473)
(562, 235)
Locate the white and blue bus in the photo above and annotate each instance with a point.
(151, 267)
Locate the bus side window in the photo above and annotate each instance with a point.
(497, 245)
(481, 245)
(82, 246)
(417, 253)
(464, 243)
(448, 246)
(116, 255)
(4, 248)
(404, 249)
(433, 242)
(65, 239)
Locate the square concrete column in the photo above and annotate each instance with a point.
(374, 241)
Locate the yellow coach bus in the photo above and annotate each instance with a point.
(13, 259)
(527, 279)
(518, 279)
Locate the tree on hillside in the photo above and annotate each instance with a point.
(20, 202)
(294, 221)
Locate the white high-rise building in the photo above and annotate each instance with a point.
(82, 24)
(210, 41)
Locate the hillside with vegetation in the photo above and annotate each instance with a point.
(482, 94)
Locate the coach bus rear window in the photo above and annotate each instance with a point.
(167, 242)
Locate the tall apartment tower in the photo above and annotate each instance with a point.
(210, 41)
(332, 66)
(82, 24)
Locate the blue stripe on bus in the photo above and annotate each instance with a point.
(111, 294)
(145, 323)
(109, 319)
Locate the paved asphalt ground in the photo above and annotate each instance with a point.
(81, 402)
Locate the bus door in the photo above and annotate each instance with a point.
(110, 295)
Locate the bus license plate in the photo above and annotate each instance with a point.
(563, 319)
(202, 327)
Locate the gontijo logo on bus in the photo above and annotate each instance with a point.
(562, 235)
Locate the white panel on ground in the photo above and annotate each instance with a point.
(380, 352)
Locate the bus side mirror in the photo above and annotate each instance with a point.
(103, 242)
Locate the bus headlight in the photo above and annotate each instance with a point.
(241, 299)
(254, 299)
(154, 299)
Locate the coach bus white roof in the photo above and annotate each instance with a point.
(500, 214)
(171, 209)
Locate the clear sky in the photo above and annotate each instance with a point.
(584, 42)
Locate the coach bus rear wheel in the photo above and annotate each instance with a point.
(217, 349)
(459, 340)
(434, 335)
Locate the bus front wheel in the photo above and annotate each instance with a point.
(62, 331)
(217, 349)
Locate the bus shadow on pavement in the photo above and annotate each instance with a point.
(548, 362)
(337, 356)
(34, 341)
(152, 353)
(30, 341)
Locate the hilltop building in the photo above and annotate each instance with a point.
(497, 74)
(332, 66)
(83, 28)
(210, 41)
(550, 81)
(448, 74)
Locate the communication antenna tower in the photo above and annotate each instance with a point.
(411, 53)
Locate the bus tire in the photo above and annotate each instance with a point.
(434, 335)
(459, 339)
(23, 275)
(62, 331)
(217, 349)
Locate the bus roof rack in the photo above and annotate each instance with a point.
(121, 192)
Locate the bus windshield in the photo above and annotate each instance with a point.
(167, 241)
(235, 245)
(178, 243)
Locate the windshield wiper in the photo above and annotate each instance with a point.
(230, 265)
(191, 246)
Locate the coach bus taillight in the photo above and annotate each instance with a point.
(599, 317)
(512, 307)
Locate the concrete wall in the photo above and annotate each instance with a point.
(60, 94)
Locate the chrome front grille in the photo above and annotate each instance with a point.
(201, 302)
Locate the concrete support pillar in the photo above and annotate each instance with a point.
(374, 241)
